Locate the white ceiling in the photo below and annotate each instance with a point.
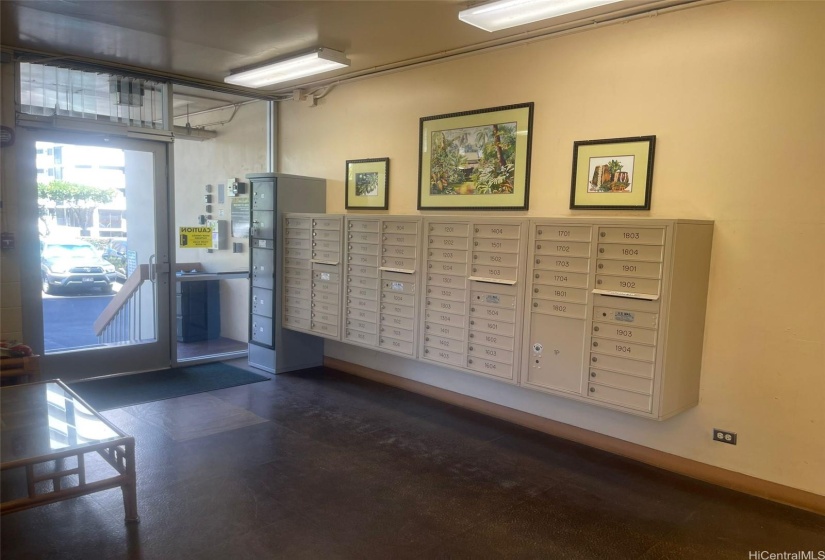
(204, 40)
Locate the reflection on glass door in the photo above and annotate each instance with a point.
(103, 251)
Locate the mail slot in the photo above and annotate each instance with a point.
(447, 255)
(397, 322)
(396, 345)
(563, 232)
(399, 239)
(363, 225)
(361, 337)
(327, 329)
(449, 331)
(327, 235)
(367, 260)
(493, 339)
(398, 251)
(297, 243)
(452, 294)
(363, 314)
(492, 326)
(561, 263)
(294, 233)
(452, 230)
(499, 231)
(368, 271)
(438, 242)
(326, 223)
(358, 303)
(497, 313)
(398, 309)
(638, 235)
(490, 367)
(322, 245)
(396, 332)
(398, 298)
(444, 356)
(302, 223)
(495, 259)
(496, 245)
(447, 268)
(446, 305)
(363, 237)
(362, 282)
(289, 322)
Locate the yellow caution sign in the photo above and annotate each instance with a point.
(199, 237)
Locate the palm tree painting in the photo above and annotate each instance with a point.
(366, 184)
(474, 160)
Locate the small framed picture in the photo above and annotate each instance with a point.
(367, 183)
(612, 174)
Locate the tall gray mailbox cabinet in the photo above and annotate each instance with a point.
(270, 347)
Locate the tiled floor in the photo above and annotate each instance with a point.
(323, 465)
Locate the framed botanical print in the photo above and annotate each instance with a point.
(367, 184)
(613, 174)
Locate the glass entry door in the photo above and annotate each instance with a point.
(104, 254)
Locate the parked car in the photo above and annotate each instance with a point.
(115, 253)
(74, 264)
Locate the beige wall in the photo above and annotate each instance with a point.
(239, 148)
(734, 93)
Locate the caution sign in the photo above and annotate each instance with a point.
(195, 237)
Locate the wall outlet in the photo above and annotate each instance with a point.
(724, 437)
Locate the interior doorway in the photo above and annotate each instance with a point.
(219, 139)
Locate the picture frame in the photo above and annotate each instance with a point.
(367, 185)
(613, 174)
(476, 160)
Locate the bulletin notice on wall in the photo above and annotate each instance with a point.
(240, 216)
(196, 237)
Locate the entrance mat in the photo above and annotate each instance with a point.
(127, 390)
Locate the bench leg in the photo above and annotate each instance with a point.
(130, 503)
(129, 489)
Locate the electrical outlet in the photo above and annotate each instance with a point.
(724, 437)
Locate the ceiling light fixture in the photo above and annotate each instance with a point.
(286, 69)
(503, 14)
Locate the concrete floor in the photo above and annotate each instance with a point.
(322, 465)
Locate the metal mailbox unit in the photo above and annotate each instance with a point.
(474, 286)
(272, 348)
(382, 282)
(616, 312)
(608, 312)
(312, 273)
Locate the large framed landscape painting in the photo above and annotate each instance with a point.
(476, 160)
(613, 174)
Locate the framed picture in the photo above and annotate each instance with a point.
(614, 174)
(367, 182)
(476, 160)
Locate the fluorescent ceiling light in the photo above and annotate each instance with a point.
(503, 14)
(284, 70)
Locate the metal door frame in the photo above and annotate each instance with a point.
(95, 362)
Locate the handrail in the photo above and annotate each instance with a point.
(132, 285)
